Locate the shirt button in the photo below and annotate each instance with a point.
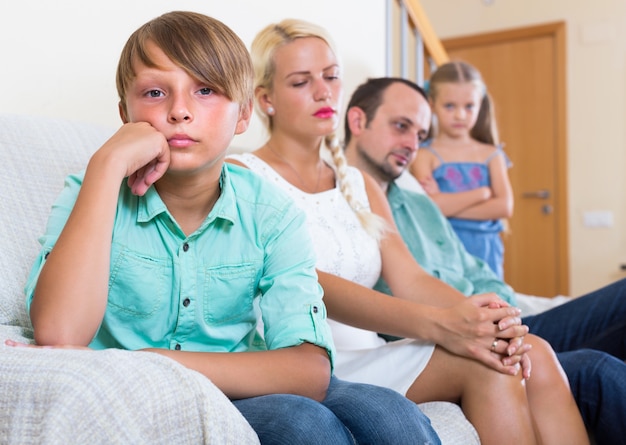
(177, 347)
(186, 302)
(185, 247)
(315, 309)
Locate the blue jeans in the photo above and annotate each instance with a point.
(597, 382)
(594, 321)
(352, 413)
(589, 336)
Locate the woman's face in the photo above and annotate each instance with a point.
(307, 89)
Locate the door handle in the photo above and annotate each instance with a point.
(538, 194)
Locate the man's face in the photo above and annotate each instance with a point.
(389, 142)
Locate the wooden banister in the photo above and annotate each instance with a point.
(431, 42)
(411, 40)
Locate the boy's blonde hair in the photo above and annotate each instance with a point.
(263, 48)
(204, 47)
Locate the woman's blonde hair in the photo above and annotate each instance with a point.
(204, 47)
(263, 49)
(485, 129)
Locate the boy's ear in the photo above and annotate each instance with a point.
(245, 114)
(120, 108)
(356, 120)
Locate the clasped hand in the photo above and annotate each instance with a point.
(489, 330)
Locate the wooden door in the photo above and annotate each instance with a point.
(524, 73)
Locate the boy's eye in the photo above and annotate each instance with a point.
(155, 93)
(206, 91)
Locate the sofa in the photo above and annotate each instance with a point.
(65, 396)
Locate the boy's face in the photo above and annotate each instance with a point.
(388, 143)
(197, 122)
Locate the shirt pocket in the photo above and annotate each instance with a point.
(139, 284)
(229, 292)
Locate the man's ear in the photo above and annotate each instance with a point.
(245, 114)
(357, 120)
(122, 112)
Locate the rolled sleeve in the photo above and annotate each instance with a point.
(291, 302)
(59, 215)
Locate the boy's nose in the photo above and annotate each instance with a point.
(179, 112)
(180, 116)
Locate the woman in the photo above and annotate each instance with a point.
(298, 90)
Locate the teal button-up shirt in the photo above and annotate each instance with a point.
(436, 247)
(204, 292)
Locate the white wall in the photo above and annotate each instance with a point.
(596, 95)
(58, 58)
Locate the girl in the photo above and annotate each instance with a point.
(298, 92)
(172, 259)
(463, 168)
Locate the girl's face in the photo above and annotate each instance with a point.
(456, 106)
(197, 122)
(307, 90)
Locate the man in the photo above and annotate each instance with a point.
(382, 135)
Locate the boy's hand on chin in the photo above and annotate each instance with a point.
(144, 154)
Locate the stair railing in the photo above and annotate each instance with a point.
(411, 38)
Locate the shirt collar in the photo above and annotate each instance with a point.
(394, 195)
(151, 205)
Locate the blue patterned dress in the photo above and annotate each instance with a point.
(480, 237)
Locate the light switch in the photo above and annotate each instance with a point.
(598, 218)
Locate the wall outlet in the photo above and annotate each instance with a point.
(598, 218)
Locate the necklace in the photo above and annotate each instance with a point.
(305, 187)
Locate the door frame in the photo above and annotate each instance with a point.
(557, 32)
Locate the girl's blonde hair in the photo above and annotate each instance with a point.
(263, 48)
(485, 130)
